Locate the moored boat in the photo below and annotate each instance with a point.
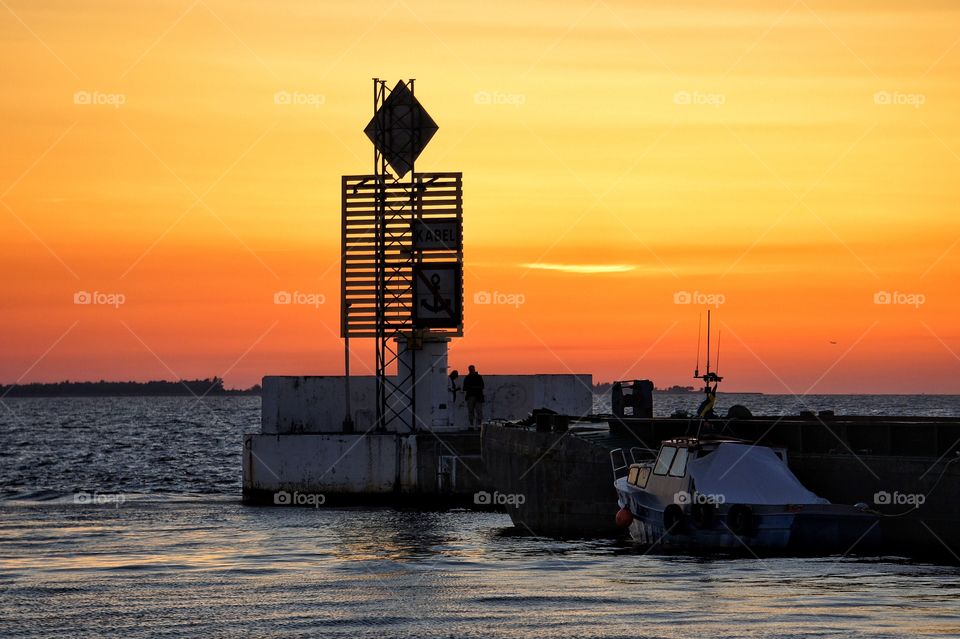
(723, 494)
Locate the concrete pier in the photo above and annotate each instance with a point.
(303, 457)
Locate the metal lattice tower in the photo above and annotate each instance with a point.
(396, 396)
(401, 271)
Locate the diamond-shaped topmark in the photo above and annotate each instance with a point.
(400, 129)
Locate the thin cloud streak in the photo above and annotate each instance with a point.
(581, 268)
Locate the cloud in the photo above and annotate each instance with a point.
(581, 268)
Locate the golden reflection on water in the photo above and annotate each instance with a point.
(421, 573)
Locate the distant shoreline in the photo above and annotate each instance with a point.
(604, 387)
(212, 387)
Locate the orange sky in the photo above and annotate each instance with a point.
(790, 159)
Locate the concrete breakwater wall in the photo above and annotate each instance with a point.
(919, 496)
(317, 404)
(566, 480)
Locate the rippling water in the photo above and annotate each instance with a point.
(665, 404)
(162, 547)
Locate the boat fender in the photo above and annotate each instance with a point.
(673, 519)
(702, 515)
(740, 519)
(624, 517)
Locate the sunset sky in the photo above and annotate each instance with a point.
(786, 163)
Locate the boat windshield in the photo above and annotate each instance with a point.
(679, 466)
(665, 460)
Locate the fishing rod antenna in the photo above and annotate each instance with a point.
(717, 366)
(696, 368)
(708, 343)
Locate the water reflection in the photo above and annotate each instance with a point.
(181, 568)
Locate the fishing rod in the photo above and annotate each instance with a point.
(696, 368)
(708, 343)
(717, 366)
(708, 376)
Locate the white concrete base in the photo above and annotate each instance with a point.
(302, 452)
(318, 464)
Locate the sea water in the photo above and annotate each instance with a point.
(121, 517)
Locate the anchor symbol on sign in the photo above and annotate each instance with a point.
(439, 303)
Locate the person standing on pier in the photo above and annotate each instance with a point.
(473, 392)
(453, 377)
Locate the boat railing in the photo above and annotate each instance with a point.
(639, 454)
(618, 462)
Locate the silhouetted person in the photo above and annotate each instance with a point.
(453, 388)
(473, 391)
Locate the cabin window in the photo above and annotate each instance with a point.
(638, 475)
(643, 476)
(664, 460)
(679, 466)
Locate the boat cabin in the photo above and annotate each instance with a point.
(667, 475)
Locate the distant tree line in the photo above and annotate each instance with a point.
(187, 387)
(604, 387)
